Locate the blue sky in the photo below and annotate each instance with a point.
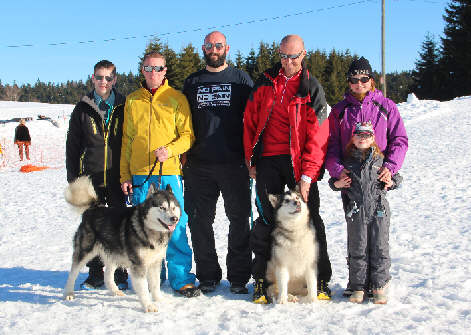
(331, 24)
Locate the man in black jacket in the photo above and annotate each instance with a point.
(93, 148)
(217, 97)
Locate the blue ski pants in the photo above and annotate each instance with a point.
(179, 255)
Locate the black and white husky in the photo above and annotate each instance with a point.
(293, 264)
(134, 238)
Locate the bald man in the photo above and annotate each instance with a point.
(215, 164)
(285, 143)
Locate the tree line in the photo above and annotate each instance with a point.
(329, 68)
(440, 73)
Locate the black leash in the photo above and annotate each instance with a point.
(128, 199)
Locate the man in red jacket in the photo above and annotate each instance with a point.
(285, 142)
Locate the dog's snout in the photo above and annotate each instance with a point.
(174, 219)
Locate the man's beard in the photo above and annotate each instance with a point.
(219, 61)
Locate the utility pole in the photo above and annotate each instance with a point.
(383, 66)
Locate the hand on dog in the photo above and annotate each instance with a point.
(161, 154)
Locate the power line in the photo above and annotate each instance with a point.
(281, 17)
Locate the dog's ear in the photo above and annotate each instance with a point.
(274, 199)
(169, 188)
(152, 190)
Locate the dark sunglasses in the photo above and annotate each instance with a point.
(286, 56)
(108, 78)
(364, 80)
(209, 46)
(149, 68)
(364, 135)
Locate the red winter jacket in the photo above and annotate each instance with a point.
(309, 126)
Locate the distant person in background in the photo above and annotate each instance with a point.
(22, 138)
(93, 148)
(363, 102)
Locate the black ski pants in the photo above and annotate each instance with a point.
(114, 197)
(203, 183)
(273, 174)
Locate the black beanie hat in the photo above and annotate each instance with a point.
(360, 66)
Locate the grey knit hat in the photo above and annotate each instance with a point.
(360, 66)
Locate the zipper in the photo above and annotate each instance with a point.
(106, 134)
(150, 119)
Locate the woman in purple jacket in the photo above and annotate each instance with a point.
(363, 102)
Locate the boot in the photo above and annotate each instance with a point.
(95, 279)
(356, 297)
(260, 292)
(323, 290)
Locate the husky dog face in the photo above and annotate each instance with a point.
(163, 209)
(289, 205)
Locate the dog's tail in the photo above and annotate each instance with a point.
(81, 193)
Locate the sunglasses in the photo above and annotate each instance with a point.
(353, 80)
(209, 46)
(149, 68)
(364, 136)
(108, 78)
(286, 56)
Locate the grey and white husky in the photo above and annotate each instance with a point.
(293, 264)
(134, 238)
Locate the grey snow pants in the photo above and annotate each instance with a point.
(368, 245)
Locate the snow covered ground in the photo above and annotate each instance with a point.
(430, 242)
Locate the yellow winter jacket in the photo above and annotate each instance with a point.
(150, 122)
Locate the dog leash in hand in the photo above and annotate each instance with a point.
(159, 180)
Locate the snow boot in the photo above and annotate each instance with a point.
(323, 290)
(238, 288)
(208, 286)
(94, 281)
(260, 292)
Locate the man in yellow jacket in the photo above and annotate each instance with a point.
(157, 124)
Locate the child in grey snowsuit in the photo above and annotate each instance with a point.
(367, 215)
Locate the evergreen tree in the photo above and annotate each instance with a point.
(188, 62)
(456, 46)
(263, 59)
(250, 64)
(171, 61)
(239, 61)
(335, 80)
(316, 62)
(426, 72)
(399, 85)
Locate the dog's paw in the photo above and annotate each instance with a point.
(118, 293)
(150, 308)
(292, 298)
(69, 296)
